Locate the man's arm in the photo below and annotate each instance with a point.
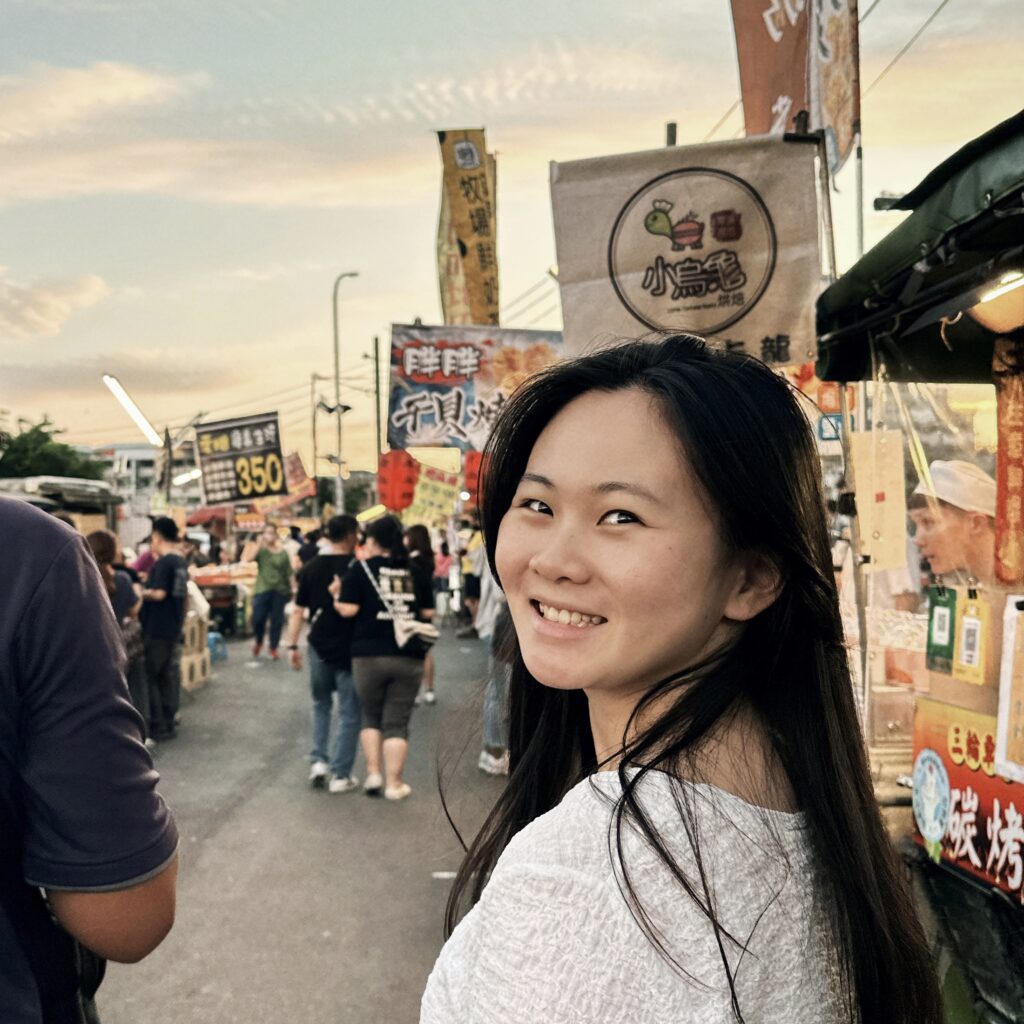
(251, 550)
(125, 925)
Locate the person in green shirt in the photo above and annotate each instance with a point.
(273, 587)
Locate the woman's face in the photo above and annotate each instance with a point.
(613, 568)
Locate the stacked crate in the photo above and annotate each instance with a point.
(195, 656)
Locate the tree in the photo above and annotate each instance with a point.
(35, 452)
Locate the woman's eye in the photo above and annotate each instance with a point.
(619, 517)
(535, 505)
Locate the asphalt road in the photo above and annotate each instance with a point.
(295, 905)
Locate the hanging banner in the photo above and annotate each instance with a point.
(718, 239)
(1007, 363)
(241, 459)
(771, 47)
(833, 74)
(449, 383)
(467, 232)
(964, 811)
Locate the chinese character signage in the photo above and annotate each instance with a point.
(449, 383)
(1007, 363)
(833, 73)
(964, 811)
(771, 46)
(1010, 737)
(241, 459)
(467, 237)
(434, 498)
(718, 239)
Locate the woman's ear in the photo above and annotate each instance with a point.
(758, 582)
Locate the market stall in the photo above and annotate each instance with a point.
(933, 319)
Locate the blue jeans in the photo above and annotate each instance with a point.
(324, 680)
(270, 604)
(496, 704)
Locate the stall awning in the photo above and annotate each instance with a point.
(207, 514)
(896, 304)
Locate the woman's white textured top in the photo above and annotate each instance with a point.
(553, 940)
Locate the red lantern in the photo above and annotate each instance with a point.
(471, 465)
(397, 475)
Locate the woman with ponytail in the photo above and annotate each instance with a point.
(689, 833)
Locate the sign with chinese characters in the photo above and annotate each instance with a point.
(1007, 360)
(449, 383)
(719, 239)
(434, 498)
(964, 811)
(241, 459)
(467, 235)
(833, 74)
(771, 47)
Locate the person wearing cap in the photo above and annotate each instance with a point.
(163, 615)
(954, 520)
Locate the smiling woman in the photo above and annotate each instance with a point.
(688, 834)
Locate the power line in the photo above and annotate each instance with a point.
(722, 119)
(864, 16)
(540, 298)
(913, 39)
(540, 316)
(529, 291)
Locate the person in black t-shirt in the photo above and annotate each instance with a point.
(387, 677)
(80, 817)
(330, 659)
(163, 615)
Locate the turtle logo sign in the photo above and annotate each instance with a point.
(703, 269)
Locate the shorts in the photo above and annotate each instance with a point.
(471, 585)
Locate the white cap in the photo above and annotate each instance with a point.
(963, 485)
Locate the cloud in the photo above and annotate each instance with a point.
(41, 310)
(50, 101)
(143, 373)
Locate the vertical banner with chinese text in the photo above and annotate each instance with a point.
(467, 242)
(833, 75)
(240, 459)
(718, 239)
(771, 46)
(449, 383)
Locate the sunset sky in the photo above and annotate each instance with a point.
(181, 181)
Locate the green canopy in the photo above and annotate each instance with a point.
(966, 231)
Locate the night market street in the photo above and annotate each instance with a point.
(295, 904)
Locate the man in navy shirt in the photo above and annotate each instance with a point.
(79, 813)
(163, 615)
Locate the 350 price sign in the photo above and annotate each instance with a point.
(241, 459)
(259, 475)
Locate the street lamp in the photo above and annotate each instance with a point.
(133, 410)
(339, 487)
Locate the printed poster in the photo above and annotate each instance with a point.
(964, 812)
(771, 47)
(449, 383)
(833, 74)
(718, 239)
(435, 497)
(1010, 735)
(467, 244)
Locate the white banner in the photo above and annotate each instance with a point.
(718, 239)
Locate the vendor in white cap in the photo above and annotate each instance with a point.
(954, 520)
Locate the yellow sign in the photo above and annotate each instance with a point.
(467, 234)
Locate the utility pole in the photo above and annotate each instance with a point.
(376, 390)
(670, 133)
(339, 486)
(313, 378)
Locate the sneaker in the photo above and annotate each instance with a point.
(318, 774)
(343, 785)
(466, 633)
(256, 648)
(274, 656)
(493, 765)
(373, 784)
(430, 697)
(399, 792)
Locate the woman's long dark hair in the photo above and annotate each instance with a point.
(105, 549)
(421, 550)
(387, 532)
(752, 451)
